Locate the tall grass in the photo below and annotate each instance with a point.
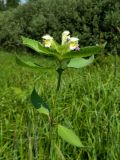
(88, 102)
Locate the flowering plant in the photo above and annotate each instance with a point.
(67, 55)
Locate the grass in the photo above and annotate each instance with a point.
(88, 102)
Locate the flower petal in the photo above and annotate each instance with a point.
(65, 37)
(47, 40)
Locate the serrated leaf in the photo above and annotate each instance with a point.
(26, 64)
(38, 101)
(38, 47)
(65, 48)
(69, 136)
(32, 65)
(84, 52)
(56, 46)
(80, 62)
(43, 110)
(33, 44)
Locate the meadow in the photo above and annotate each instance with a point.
(88, 102)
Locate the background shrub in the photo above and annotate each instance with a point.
(92, 21)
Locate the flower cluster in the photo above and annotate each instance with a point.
(66, 39)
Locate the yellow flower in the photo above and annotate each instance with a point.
(47, 40)
(74, 43)
(65, 37)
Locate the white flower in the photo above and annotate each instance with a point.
(47, 40)
(65, 37)
(74, 43)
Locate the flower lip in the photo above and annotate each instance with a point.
(47, 40)
(47, 37)
(66, 33)
(74, 39)
(74, 43)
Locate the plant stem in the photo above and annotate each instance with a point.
(50, 136)
(59, 70)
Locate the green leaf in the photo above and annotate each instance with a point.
(37, 101)
(38, 47)
(33, 44)
(69, 136)
(32, 65)
(43, 110)
(56, 46)
(65, 48)
(61, 49)
(84, 52)
(26, 64)
(80, 62)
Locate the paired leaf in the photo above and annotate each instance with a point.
(26, 64)
(32, 65)
(62, 52)
(33, 44)
(61, 49)
(65, 48)
(80, 62)
(38, 47)
(56, 46)
(69, 136)
(84, 52)
(38, 102)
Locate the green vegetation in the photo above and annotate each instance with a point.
(81, 121)
(93, 21)
(67, 55)
(8, 4)
(88, 102)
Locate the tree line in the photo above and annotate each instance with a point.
(6, 4)
(93, 21)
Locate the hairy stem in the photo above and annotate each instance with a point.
(60, 71)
